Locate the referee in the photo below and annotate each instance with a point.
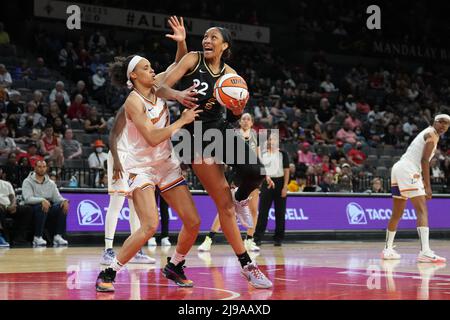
(273, 190)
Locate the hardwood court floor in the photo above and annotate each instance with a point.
(304, 270)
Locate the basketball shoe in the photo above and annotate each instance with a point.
(105, 280)
(176, 274)
(206, 245)
(142, 258)
(430, 257)
(390, 254)
(107, 257)
(256, 278)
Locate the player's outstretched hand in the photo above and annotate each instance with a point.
(179, 32)
(189, 115)
(188, 97)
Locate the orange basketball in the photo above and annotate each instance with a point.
(230, 89)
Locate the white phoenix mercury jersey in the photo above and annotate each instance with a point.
(415, 150)
(141, 156)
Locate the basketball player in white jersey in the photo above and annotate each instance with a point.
(150, 164)
(118, 149)
(410, 179)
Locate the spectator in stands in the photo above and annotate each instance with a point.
(40, 71)
(94, 123)
(71, 148)
(3, 99)
(362, 106)
(346, 134)
(98, 85)
(97, 65)
(14, 105)
(326, 164)
(409, 126)
(344, 184)
(62, 106)
(377, 186)
(48, 205)
(54, 113)
(97, 42)
(5, 77)
(23, 71)
(98, 157)
(339, 152)
(33, 116)
(50, 146)
(77, 110)
(324, 115)
(21, 215)
(80, 89)
(305, 156)
(353, 121)
(350, 103)
(59, 88)
(67, 59)
(59, 127)
(327, 85)
(390, 138)
(11, 170)
(38, 99)
(436, 173)
(356, 156)
(327, 183)
(4, 36)
(7, 144)
(318, 135)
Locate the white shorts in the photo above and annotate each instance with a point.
(165, 176)
(119, 186)
(406, 181)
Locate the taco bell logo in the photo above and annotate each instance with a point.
(356, 214)
(89, 213)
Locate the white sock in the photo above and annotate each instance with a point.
(424, 237)
(135, 224)
(116, 265)
(390, 235)
(115, 205)
(177, 258)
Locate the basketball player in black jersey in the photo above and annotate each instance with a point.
(204, 69)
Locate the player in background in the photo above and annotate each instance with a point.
(410, 179)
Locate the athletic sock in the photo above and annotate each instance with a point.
(177, 258)
(211, 235)
(424, 236)
(244, 259)
(115, 205)
(249, 237)
(116, 265)
(390, 235)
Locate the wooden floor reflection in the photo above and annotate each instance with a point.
(304, 270)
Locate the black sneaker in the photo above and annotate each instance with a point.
(105, 280)
(176, 274)
(278, 243)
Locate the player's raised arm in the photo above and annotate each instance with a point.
(154, 136)
(430, 142)
(171, 77)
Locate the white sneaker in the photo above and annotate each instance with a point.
(39, 242)
(256, 278)
(250, 245)
(152, 242)
(206, 245)
(390, 254)
(430, 256)
(59, 241)
(165, 242)
(142, 258)
(242, 210)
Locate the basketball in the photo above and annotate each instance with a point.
(230, 89)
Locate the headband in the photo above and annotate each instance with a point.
(442, 116)
(136, 59)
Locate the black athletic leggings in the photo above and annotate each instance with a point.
(248, 169)
(164, 213)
